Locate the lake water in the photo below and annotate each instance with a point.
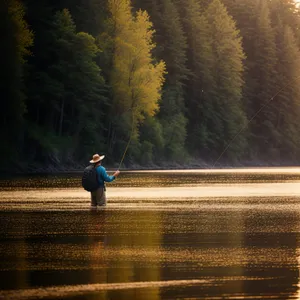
(197, 234)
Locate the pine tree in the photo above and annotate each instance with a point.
(253, 20)
(262, 84)
(16, 41)
(228, 111)
(172, 113)
(152, 142)
(200, 82)
(89, 15)
(285, 21)
(288, 101)
(288, 12)
(68, 95)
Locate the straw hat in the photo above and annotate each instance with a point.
(96, 158)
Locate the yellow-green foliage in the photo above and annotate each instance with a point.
(23, 35)
(135, 79)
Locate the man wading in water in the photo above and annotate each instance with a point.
(98, 196)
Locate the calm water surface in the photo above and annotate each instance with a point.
(222, 234)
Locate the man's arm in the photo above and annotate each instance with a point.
(108, 178)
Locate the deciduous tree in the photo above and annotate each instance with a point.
(136, 81)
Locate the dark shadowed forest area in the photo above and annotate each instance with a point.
(180, 78)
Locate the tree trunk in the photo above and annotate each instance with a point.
(61, 116)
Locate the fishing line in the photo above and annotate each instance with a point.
(127, 146)
(247, 123)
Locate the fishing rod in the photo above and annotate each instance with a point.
(127, 146)
(247, 123)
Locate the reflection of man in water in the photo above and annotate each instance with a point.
(98, 196)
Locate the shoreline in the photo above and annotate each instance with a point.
(78, 169)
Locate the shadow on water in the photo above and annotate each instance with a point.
(222, 248)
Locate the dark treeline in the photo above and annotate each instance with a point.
(180, 77)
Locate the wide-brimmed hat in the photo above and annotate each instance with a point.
(96, 158)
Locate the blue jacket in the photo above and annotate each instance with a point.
(102, 176)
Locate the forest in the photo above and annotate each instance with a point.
(182, 80)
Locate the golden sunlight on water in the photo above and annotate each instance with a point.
(221, 234)
(167, 197)
(155, 189)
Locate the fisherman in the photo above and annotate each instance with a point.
(98, 197)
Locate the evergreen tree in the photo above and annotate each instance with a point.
(253, 19)
(263, 128)
(228, 111)
(200, 82)
(64, 114)
(288, 101)
(16, 41)
(287, 12)
(172, 113)
(89, 15)
(152, 142)
(262, 85)
(285, 21)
